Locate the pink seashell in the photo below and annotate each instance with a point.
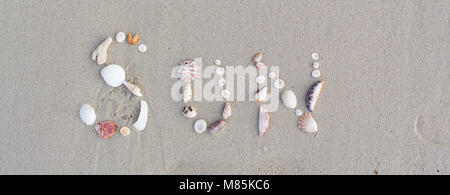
(217, 126)
(307, 123)
(106, 129)
(264, 120)
(226, 111)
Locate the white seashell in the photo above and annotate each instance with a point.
(257, 57)
(261, 95)
(313, 95)
(226, 94)
(125, 131)
(316, 65)
(120, 37)
(222, 82)
(226, 111)
(114, 75)
(217, 62)
(142, 48)
(298, 112)
(307, 123)
(264, 120)
(217, 126)
(87, 114)
(288, 98)
(315, 73)
(200, 126)
(272, 75)
(260, 79)
(143, 116)
(315, 56)
(259, 65)
(133, 88)
(189, 112)
(188, 70)
(220, 71)
(101, 53)
(279, 84)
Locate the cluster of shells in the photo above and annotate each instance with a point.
(114, 76)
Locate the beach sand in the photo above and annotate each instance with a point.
(384, 107)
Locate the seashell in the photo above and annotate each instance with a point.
(220, 71)
(129, 38)
(125, 131)
(106, 129)
(120, 37)
(272, 75)
(217, 62)
(133, 88)
(217, 126)
(316, 65)
(142, 48)
(141, 122)
(226, 93)
(226, 111)
(307, 123)
(188, 70)
(261, 95)
(87, 114)
(289, 99)
(315, 56)
(259, 65)
(313, 95)
(200, 126)
(260, 79)
(315, 73)
(114, 75)
(189, 112)
(101, 53)
(264, 120)
(222, 82)
(298, 112)
(257, 57)
(135, 39)
(279, 84)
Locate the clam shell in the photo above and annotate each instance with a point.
(217, 126)
(189, 112)
(307, 123)
(313, 95)
(226, 111)
(106, 129)
(113, 74)
(257, 57)
(261, 96)
(289, 99)
(141, 122)
(87, 114)
(200, 126)
(264, 120)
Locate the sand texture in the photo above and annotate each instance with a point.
(384, 107)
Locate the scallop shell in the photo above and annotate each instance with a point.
(113, 74)
(133, 88)
(101, 52)
(257, 57)
(189, 112)
(226, 111)
(313, 95)
(87, 114)
(200, 126)
(264, 120)
(261, 96)
(141, 122)
(289, 99)
(106, 129)
(217, 126)
(307, 123)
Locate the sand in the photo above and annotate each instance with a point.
(384, 107)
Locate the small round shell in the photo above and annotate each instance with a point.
(279, 84)
(315, 56)
(217, 62)
(316, 65)
(226, 93)
(272, 75)
(200, 126)
(298, 112)
(87, 114)
(260, 79)
(120, 37)
(315, 73)
(125, 131)
(189, 112)
(222, 82)
(220, 71)
(142, 48)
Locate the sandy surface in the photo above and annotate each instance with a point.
(384, 107)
